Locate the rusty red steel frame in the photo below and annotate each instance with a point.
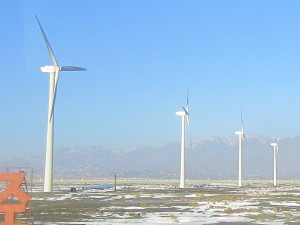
(13, 190)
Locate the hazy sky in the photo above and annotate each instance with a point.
(141, 58)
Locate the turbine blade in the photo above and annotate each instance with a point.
(242, 118)
(48, 44)
(243, 135)
(188, 122)
(54, 94)
(245, 138)
(71, 68)
(187, 101)
(186, 111)
(277, 151)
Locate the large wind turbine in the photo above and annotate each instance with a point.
(241, 137)
(54, 75)
(184, 115)
(275, 147)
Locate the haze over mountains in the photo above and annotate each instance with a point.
(208, 158)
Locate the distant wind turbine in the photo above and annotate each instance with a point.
(241, 138)
(275, 147)
(184, 115)
(54, 75)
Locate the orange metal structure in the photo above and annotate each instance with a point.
(14, 180)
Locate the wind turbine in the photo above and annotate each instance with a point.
(241, 137)
(184, 115)
(275, 147)
(54, 75)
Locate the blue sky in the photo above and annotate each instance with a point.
(141, 58)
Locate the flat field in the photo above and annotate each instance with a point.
(161, 202)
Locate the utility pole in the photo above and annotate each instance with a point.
(115, 182)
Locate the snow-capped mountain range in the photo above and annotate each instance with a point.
(208, 158)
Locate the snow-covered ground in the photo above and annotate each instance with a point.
(214, 204)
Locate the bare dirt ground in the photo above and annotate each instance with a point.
(218, 203)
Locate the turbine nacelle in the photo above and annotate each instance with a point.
(48, 69)
(181, 113)
(274, 144)
(238, 132)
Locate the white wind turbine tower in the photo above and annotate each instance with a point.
(54, 75)
(184, 115)
(275, 147)
(241, 137)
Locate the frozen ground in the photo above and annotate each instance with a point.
(165, 204)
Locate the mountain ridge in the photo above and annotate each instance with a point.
(207, 158)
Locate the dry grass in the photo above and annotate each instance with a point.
(174, 218)
(144, 205)
(228, 211)
(193, 204)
